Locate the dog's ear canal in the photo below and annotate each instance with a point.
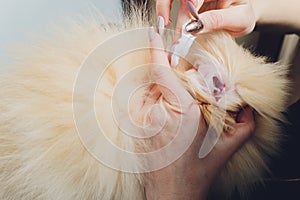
(218, 84)
(218, 87)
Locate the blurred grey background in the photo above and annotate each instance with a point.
(21, 18)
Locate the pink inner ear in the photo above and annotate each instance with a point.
(218, 87)
(210, 79)
(217, 83)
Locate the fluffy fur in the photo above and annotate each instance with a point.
(41, 155)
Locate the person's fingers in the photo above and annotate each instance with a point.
(182, 18)
(170, 86)
(163, 8)
(188, 9)
(193, 6)
(237, 20)
(197, 3)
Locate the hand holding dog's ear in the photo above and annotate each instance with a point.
(188, 177)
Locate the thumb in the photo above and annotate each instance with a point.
(238, 20)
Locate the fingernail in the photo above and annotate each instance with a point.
(151, 34)
(192, 9)
(194, 26)
(160, 25)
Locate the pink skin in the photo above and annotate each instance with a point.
(188, 177)
(216, 86)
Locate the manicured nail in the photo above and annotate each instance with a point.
(194, 26)
(151, 34)
(160, 25)
(192, 9)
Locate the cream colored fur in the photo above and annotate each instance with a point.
(41, 155)
(250, 81)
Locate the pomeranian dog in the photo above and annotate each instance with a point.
(49, 146)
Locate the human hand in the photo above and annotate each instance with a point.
(234, 16)
(188, 177)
